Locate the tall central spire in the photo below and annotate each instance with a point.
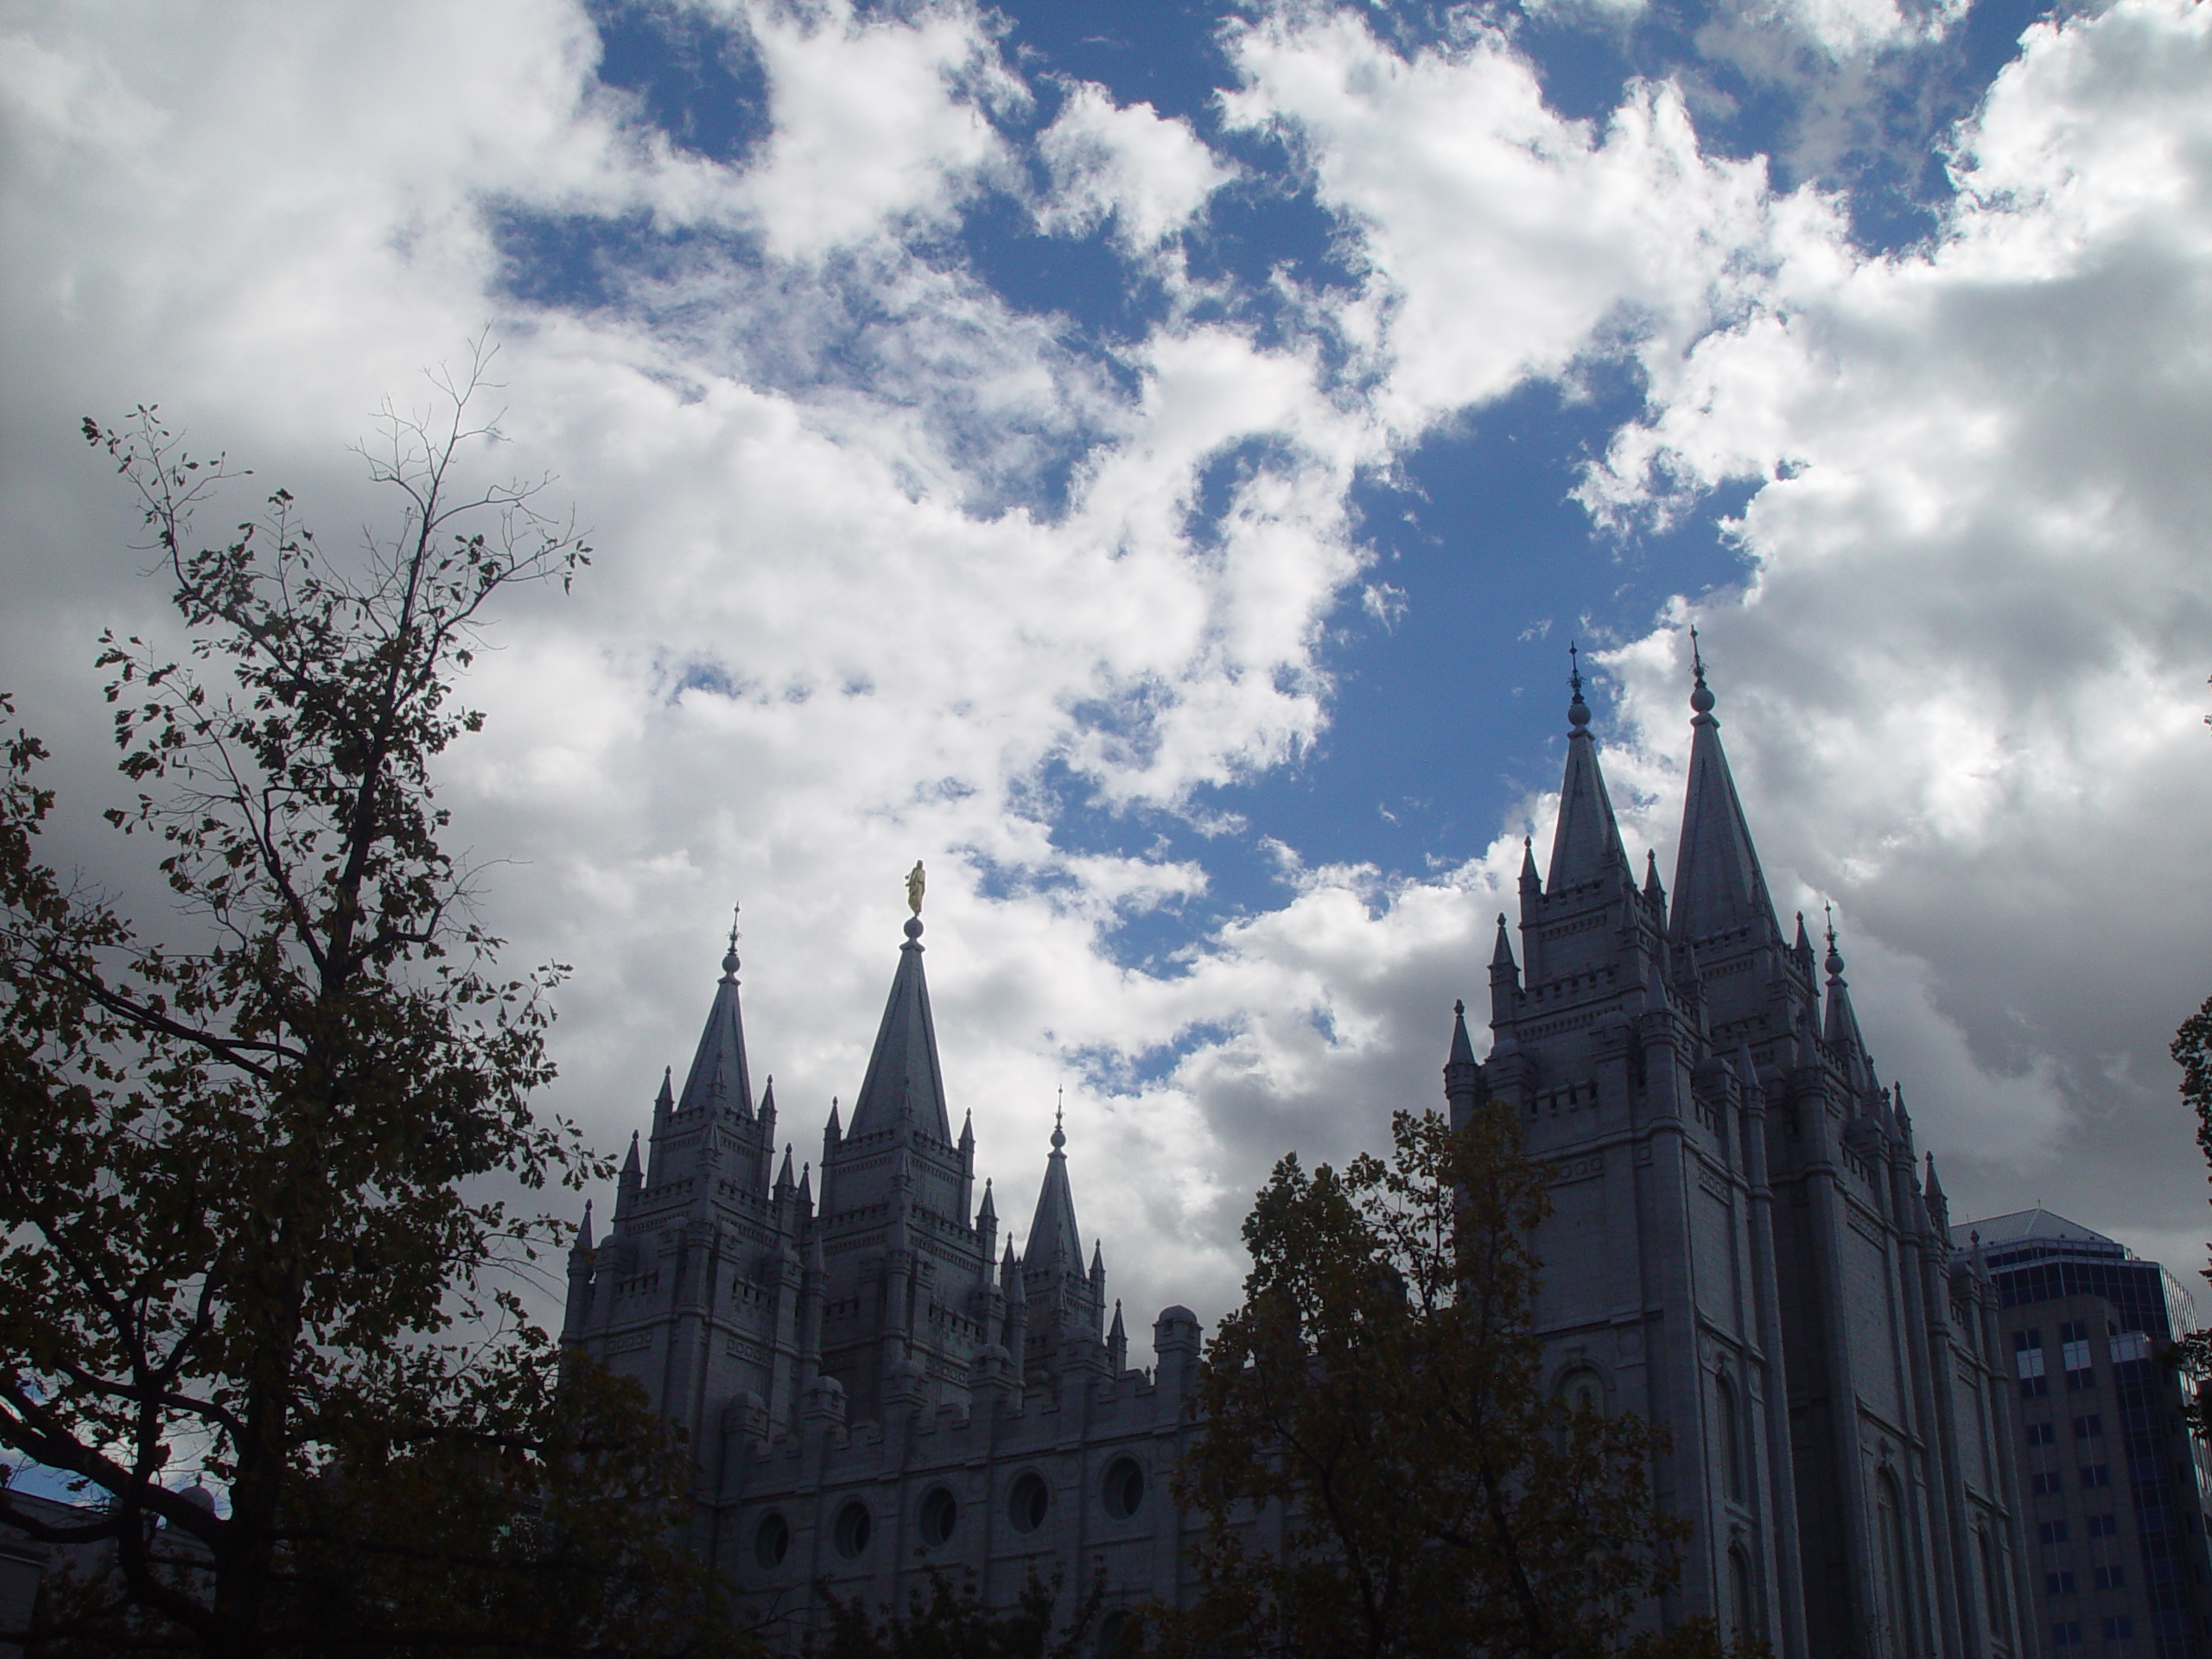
(903, 1077)
(718, 1080)
(1717, 881)
(1587, 843)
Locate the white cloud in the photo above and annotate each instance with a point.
(1151, 173)
(1956, 694)
(1965, 679)
(875, 120)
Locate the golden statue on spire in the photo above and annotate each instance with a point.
(916, 881)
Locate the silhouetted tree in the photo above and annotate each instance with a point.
(1377, 1403)
(249, 1144)
(953, 1622)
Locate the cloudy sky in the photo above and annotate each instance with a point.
(1148, 460)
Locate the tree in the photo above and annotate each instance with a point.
(952, 1622)
(1380, 1471)
(247, 1159)
(2192, 1352)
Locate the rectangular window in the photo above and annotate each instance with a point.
(2066, 1633)
(2046, 1485)
(2120, 1629)
(2112, 1578)
(2040, 1434)
(2094, 1475)
(2078, 1380)
(2074, 1347)
(2035, 1387)
(2130, 1346)
(2051, 1532)
(2104, 1526)
(2089, 1427)
(2030, 1360)
(2058, 1584)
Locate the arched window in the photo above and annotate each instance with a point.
(1743, 1611)
(1730, 1430)
(1992, 1587)
(1894, 1567)
(1583, 1390)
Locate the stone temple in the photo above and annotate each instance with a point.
(1743, 1248)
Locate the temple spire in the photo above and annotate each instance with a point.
(718, 1081)
(1054, 1239)
(1839, 1027)
(1586, 845)
(904, 1078)
(1717, 882)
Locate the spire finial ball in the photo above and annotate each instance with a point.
(1701, 698)
(1578, 713)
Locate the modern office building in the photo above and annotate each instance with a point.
(2114, 1489)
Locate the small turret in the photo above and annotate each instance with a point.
(1839, 1029)
(1939, 1204)
(1097, 1278)
(987, 1228)
(768, 1129)
(1117, 1344)
(1655, 895)
(633, 1178)
(1463, 1077)
(578, 1310)
(1504, 977)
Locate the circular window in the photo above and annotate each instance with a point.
(772, 1541)
(853, 1529)
(1124, 1488)
(940, 1515)
(1026, 1504)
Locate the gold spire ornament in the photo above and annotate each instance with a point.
(916, 881)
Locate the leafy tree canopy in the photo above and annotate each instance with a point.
(1380, 1472)
(250, 1141)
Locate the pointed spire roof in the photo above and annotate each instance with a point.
(1839, 1027)
(1586, 845)
(1463, 1050)
(1501, 954)
(630, 1165)
(1117, 1332)
(903, 1075)
(1717, 881)
(718, 1080)
(1011, 1278)
(988, 1211)
(1529, 876)
(584, 1232)
(1053, 1237)
(806, 1184)
(784, 1181)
